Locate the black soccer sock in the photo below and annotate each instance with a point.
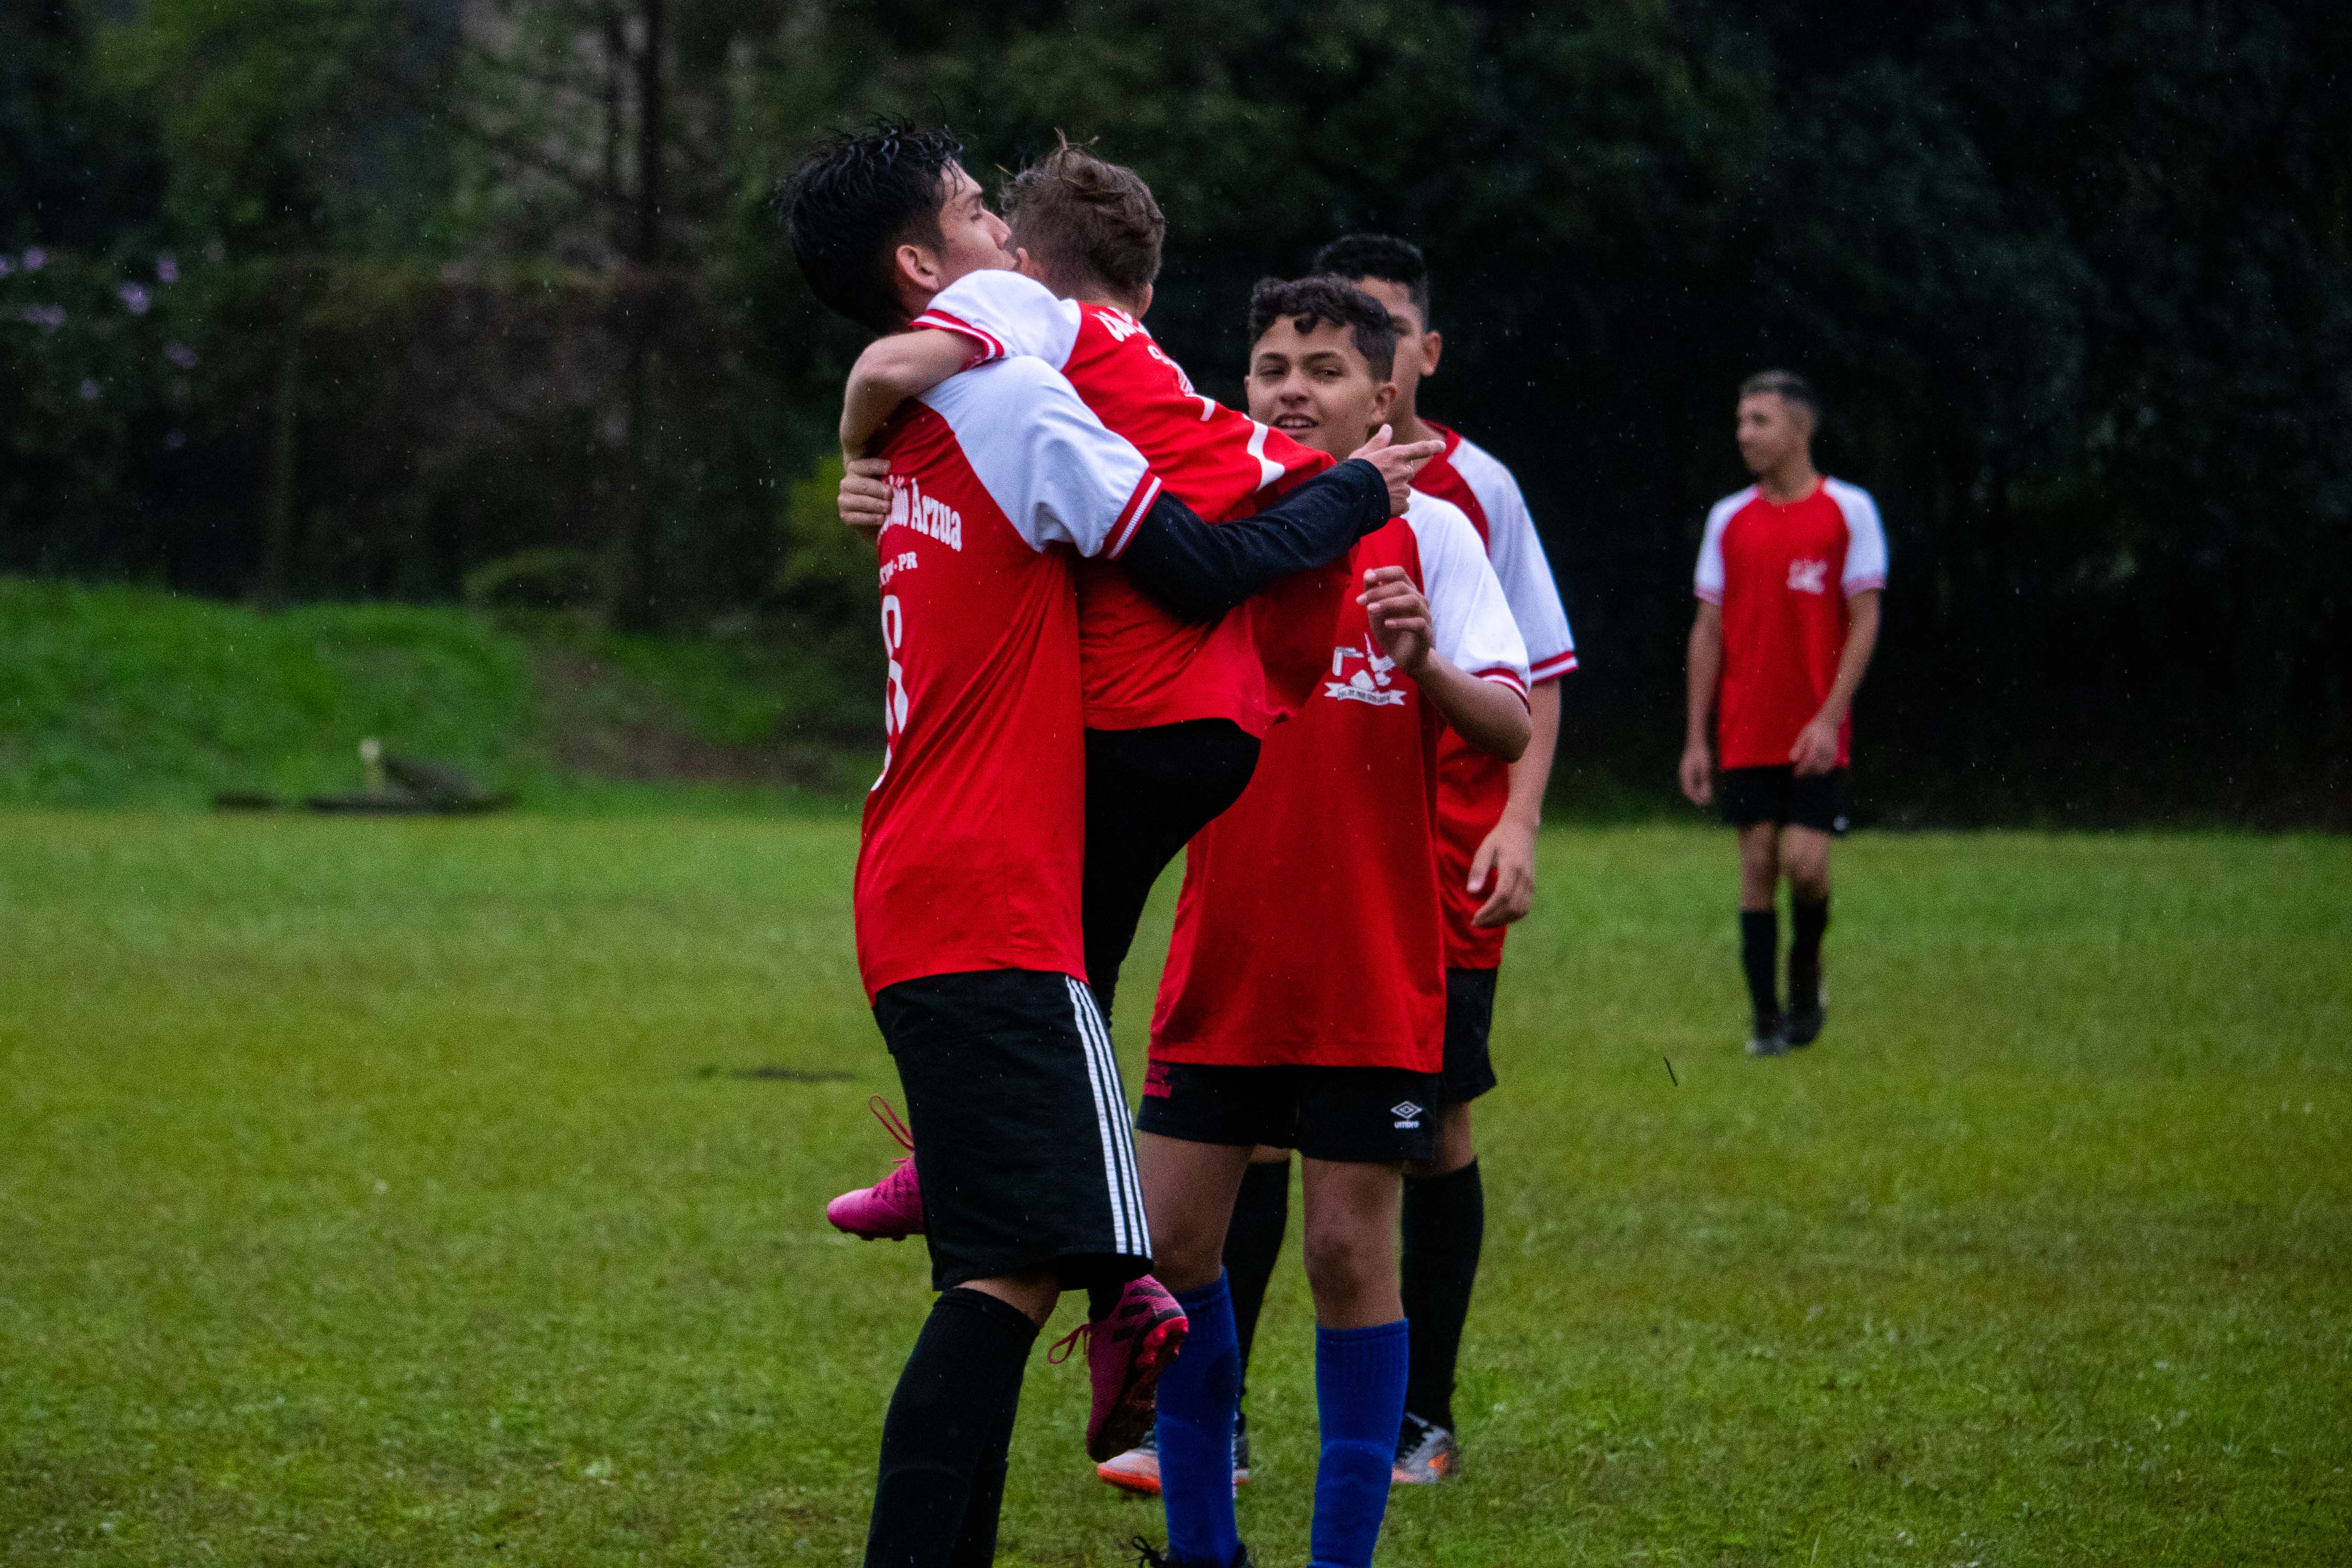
(1759, 941)
(1444, 1224)
(952, 1406)
(1807, 920)
(975, 1544)
(1253, 1244)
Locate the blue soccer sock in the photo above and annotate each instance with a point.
(1360, 1376)
(1199, 1394)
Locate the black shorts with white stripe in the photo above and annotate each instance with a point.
(1021, 1131)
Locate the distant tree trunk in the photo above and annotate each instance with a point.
(628, 554)
(274, 585)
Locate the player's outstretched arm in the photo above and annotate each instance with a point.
(890, 371)
(1198, 571)
(1704, 668)
(1486, 713)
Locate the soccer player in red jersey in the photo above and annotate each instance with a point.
(1489, 812)
(967, 888)
(1304, 1001)
(1789, 576)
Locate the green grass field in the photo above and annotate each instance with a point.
(388, 1193)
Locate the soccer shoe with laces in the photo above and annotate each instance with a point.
(892, 1208)
(1138, 1469)
(1125, 1354)
(1147, 1556)
(1425, 1454)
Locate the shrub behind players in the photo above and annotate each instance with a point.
(1789, 581)
(968, 881)
(1303, 1002)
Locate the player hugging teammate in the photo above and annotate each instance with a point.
(1402, 788)
(971, 866)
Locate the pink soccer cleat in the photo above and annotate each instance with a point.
(892, 1208)
(1125, 1354)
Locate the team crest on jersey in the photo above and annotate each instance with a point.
(1372, 683)
(911, 508)
(1808, 576)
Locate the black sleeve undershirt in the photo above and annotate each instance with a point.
(1197, 571)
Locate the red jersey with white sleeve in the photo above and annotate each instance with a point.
(973, 834)
(1782, 575)
(1474, 786)
(1142, 666)
(1308, 928)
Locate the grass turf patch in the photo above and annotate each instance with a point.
(396, 1193)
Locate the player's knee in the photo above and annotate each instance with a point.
(1186, 1257)
(1808, 875)
(1344, 1262)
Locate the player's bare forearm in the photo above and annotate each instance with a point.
(1504, 868)
(1816, 748)
(1486, 713)
(1853, 659)
(1531, 774)
(1704, 667)
(890, 371)
(1704, 664)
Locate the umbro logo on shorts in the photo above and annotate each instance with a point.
(1407, 1113)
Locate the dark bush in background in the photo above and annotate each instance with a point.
(483, 301)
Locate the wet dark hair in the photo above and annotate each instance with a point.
(1788, 386)
(1310, 301)
(1380, 256)
(854, 200)
(1087, 222)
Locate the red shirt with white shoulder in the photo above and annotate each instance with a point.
(1142, 666)
(1474, 786)
(1309, 930)
(1782, 575)
(1000, 478)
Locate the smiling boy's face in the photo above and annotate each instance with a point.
(1315, 386)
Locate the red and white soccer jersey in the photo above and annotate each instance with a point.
(1474, 786)
(1143, 665)
(975, 831)
(1782, 575)
(1309, 930)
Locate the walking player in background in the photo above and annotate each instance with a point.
(1789, 576)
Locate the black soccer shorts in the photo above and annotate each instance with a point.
(1021, 1139)
(1823, 802)
(1367, 1116)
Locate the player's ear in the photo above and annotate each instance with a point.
(1432, 344)
(913, 266)
(1384, 398)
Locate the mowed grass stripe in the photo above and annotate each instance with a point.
(380, 1192)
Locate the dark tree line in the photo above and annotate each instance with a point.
(483, 301)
